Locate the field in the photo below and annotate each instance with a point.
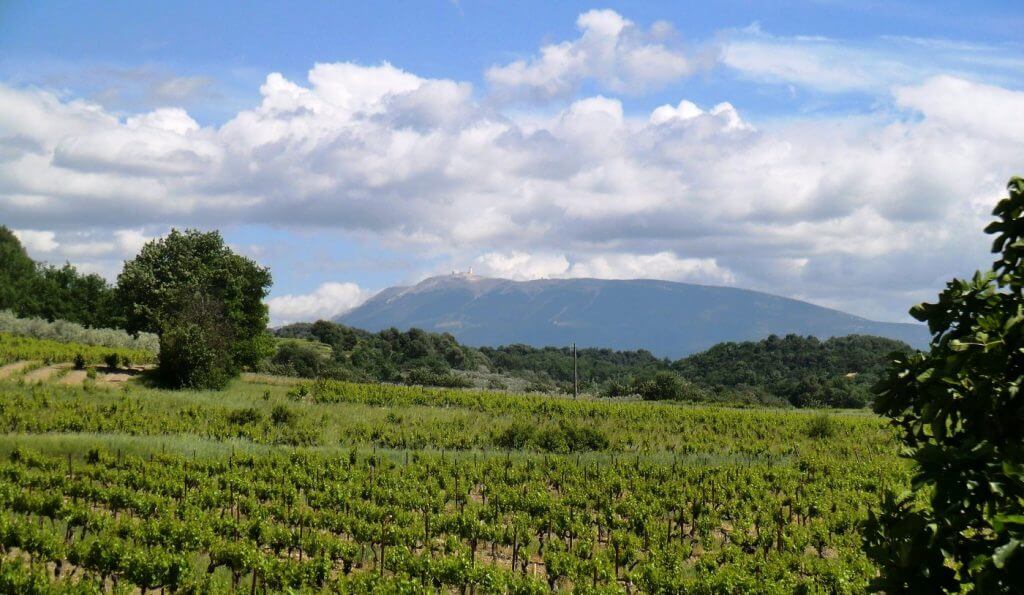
(277, 484)
(18, 348)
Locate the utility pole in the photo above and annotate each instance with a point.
(575, 375)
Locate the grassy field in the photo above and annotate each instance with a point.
(320, 486)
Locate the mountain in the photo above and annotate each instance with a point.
(669, 319)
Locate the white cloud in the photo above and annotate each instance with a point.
(690, 192)
(874, 65)
(662, 265)
(984, 110)
(611, 50)
(37, 241)
(131, 241)
(326, 302)
(100, 251)
(520, 265)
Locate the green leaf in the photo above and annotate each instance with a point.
(1003, 552)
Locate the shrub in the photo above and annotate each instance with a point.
(70, 332)
(663, 386)
(425, 377)
(822, 426)
(516, 436)
(79, 361)
(194, 357)
(242, 417)
(282, 416)
(568, 437)
(111, 359)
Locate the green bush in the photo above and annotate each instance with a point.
(664, 386)
(822, 426)
(111, 360)
(567, 437)
(70, 332)
(282, 415)
(193, 357)
(79, 361)
(516, 436)
(425, 377)
(245, 416)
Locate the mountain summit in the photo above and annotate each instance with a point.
(667, 318)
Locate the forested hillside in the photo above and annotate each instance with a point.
(798, 371)
(802, 370)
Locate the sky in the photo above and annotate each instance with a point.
(844, 153)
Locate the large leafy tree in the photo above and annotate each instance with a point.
(17, 271)
(960, 412)
(204, 301)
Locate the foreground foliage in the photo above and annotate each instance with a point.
(961, 415)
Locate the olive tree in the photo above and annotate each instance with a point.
(204, 302)
(960, 414)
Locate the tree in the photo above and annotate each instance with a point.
(17, 270)
(203, 301)
(29, 288)
(960, 412)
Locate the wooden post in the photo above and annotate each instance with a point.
(575, 375)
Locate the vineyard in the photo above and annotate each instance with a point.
(331, 486)
(14, 348)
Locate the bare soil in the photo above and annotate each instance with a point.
(12, 369)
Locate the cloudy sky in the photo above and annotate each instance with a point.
(846, 153)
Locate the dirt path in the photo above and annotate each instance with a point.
(12, 369)
(114, 378)
(73, 378)
(42, 374)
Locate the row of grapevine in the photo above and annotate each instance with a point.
(15, 348)
(495, 524)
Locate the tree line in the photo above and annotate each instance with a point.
(791, 370)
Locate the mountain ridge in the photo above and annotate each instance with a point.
(668, 318)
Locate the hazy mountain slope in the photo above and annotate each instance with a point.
(669, 319)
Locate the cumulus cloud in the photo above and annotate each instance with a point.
(521, 266)
(686, 191)
(37, 241)
(662, 265)
(611, 50)
(326, 302)
(984, 110)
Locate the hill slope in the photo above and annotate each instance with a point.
(669, 319)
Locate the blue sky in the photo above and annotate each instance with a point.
(841, 152)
